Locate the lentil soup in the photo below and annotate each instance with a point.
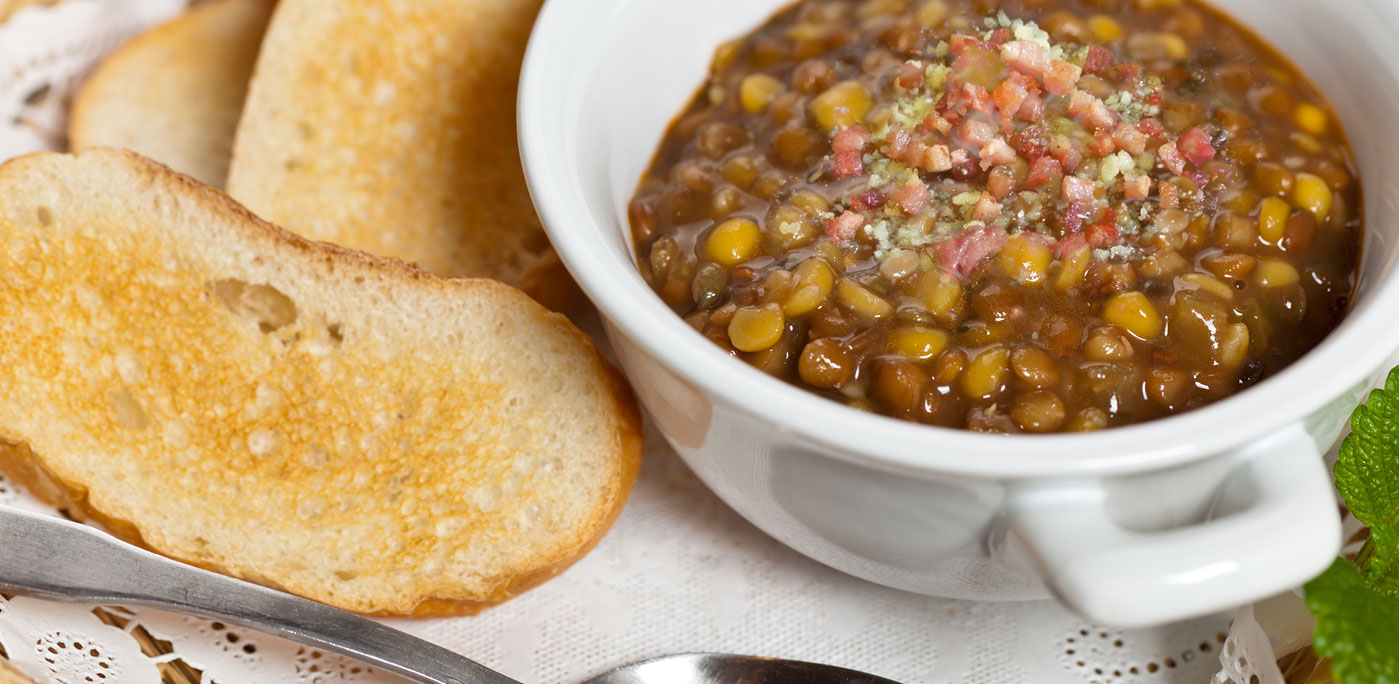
(1019, 216)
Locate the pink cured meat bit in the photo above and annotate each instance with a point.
(1066, 152)
(1195, 145)
(1026, 56)
(1070, 244)
(936, 122)
(913, 198)
(846, 164)
(1091, 110)
(843, 227)
(936, 158)
(1043, 171)
(986, 208)
(1170, 195)
(1138, 188)
(1152, 128)
(1098, 61)
(1011, 94)
(1032, 109)
(851, 139)
(1061, 77)
(1078, 190)
(1103, 144)
(961, 254)
(996, 153)
(1129, 138)
(910, 75)
(977, 133)
(898, 141)
(1170, 156)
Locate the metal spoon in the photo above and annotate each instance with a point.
(56, 559)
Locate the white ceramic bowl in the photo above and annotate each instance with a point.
(1137, 525)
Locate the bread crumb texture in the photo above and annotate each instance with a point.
(347, 428)
(390, 127)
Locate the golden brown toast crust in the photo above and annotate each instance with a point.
(78, 483)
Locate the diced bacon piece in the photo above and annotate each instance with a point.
(963, 98)
(1152, 128)
(1073, 216)
(1091, 110)
(1098, 61)
(852, 139)
(1026, 56)
(1100, 234)
(1011, 93)
(960, 156)
(960, 43)
(910, 75)
(1000, 37)
(986, 208)
(1001, 181)
(1077, 189)
(867, 200)
(977, 133)
(1129, 138)
(1062, 76)
(996, 153)
(936, 158)
(913, 197)
(1032, 109)
(843, 227)
(1066, 151)
(961, 254)
(1170, 195)
(1137, 187)
(936, 122)
(1043, 171)
(1103, 144)
(846, 164)
(897, 141)
(1127, 71)
(1031, 142)
(1170, 156)
(1195, 145)
(1070, 244)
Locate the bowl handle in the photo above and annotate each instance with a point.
(1288, 533)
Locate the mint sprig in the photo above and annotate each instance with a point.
(1357, 605)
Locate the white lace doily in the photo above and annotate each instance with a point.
(678, 572)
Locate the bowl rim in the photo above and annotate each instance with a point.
(1336, 367)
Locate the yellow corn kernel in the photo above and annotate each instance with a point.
(1133, 312)
(1104, 28)
(756, 328)
(1024, 259)
(1306, 141)
(1310, 118)
(861, 301)
(841, 105)
(1272, 219)
(1243, 202)
(1275, 273)
(814, 282)
(758, 91)
(1075, 265)
(733, 242)
(810, 202)
(939, 292)
(1209, 284)
(931, 14)
(1233, 345)
(985, 373)
(1312, 193)
(922, 344)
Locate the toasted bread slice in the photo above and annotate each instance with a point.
(390, 127)
(345, 427)
(175, 93)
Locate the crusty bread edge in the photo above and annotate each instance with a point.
(18, 460)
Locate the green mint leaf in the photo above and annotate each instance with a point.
(1382, 572)
(1357, 627)
(1367, 475)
